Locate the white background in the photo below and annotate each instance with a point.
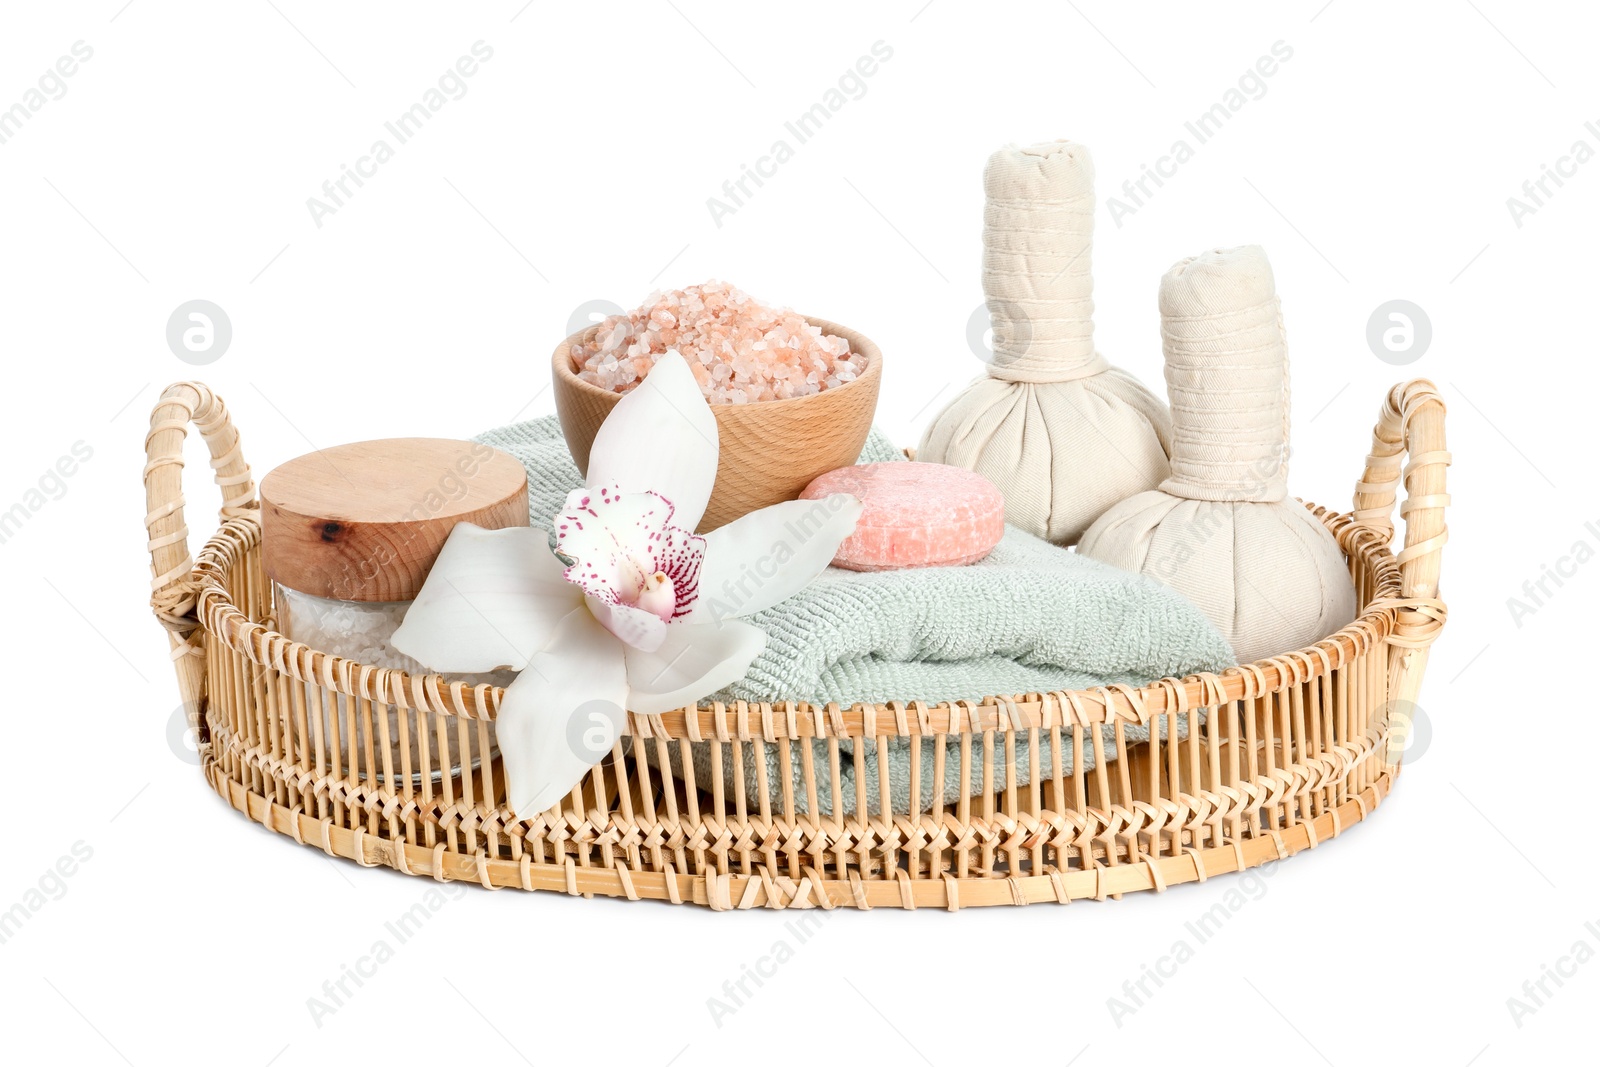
(577, 167)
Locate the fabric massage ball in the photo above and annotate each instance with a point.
(1222, 528)
(1063, 434)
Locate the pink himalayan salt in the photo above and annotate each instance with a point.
(915, 515)
(740, 350)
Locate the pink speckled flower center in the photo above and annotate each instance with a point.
(624, 551)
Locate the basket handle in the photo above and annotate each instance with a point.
(1410, 424)
(173, 589)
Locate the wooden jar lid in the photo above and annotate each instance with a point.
(365, 521)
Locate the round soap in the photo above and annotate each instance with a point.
(915, 515)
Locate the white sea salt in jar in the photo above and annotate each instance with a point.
(348, 537)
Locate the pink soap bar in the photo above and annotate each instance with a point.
(915, 515)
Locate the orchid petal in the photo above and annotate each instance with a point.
(696, 659)
(769, 555)
(680, 555)
(607, 536)
(492, 599)
(661, 436)
(562, 714)
(633, 626)
(616, 541)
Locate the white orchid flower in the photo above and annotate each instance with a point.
(639, 613)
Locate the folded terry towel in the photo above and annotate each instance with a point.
(1029, 618)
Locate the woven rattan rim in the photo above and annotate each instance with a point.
(716, 721)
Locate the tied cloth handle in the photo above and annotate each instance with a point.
(1038, 229)
(1227, 377)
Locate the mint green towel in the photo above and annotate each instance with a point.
(1029, 618)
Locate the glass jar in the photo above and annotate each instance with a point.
(348, 537)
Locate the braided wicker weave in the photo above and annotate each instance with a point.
(1290, 751)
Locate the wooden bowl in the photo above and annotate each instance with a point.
(769, 450)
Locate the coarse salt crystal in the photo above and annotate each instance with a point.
(740, 350)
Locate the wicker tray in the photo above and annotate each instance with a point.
(1291, 751)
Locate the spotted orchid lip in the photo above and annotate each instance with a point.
(616, 545)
